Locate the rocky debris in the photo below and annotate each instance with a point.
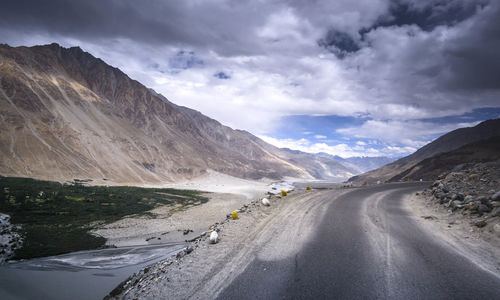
(266, 202)
(10, 239)
(472, 190)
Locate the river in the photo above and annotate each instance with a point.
(79, 275)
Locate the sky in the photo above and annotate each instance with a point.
(349, 78)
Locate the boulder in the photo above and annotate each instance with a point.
(468, 198)
(483, 208)
(473, 205)
(496, 196)
(266, 202)
(456, 204)
(483, 200)
(443, 200)
(480, 224)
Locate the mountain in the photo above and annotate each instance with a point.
(448, 142)
(430, 168)
(318, 167)
(360, 164)
(65, 114)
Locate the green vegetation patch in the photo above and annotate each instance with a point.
(56, 218)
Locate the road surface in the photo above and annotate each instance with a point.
(368, 247)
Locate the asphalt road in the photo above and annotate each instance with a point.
(368, 247)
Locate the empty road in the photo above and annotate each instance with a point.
(368, 247)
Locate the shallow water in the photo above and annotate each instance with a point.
(79, 275)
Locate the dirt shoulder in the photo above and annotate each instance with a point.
(204, 270)
(462, 207)
(481, 245)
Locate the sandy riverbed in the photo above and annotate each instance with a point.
(227, 193)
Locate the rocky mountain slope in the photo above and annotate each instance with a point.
(430, 168)
(448, 142)
(65, 114)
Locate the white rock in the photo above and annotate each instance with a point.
(214, 237)
(266, 202)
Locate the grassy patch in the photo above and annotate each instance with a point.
(56, 218)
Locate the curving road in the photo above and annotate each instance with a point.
(368, 247)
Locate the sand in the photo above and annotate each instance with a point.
(227, 194)
(216, 182)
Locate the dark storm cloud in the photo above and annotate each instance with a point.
(428, 14)
(472, 60)
(464, 58)
(198, 24)
(339, 43)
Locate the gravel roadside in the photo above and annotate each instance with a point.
(462, 207)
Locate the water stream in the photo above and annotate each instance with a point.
(79, 275)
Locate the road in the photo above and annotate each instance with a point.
(368, 247)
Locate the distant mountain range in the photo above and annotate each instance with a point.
(65, 114)
(464, 145)
(360, 164)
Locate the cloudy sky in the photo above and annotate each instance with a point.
(350, 78)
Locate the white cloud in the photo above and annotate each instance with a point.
(320, 137)
(407, 133)
(342, 150)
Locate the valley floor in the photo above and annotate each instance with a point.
(180, 222)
